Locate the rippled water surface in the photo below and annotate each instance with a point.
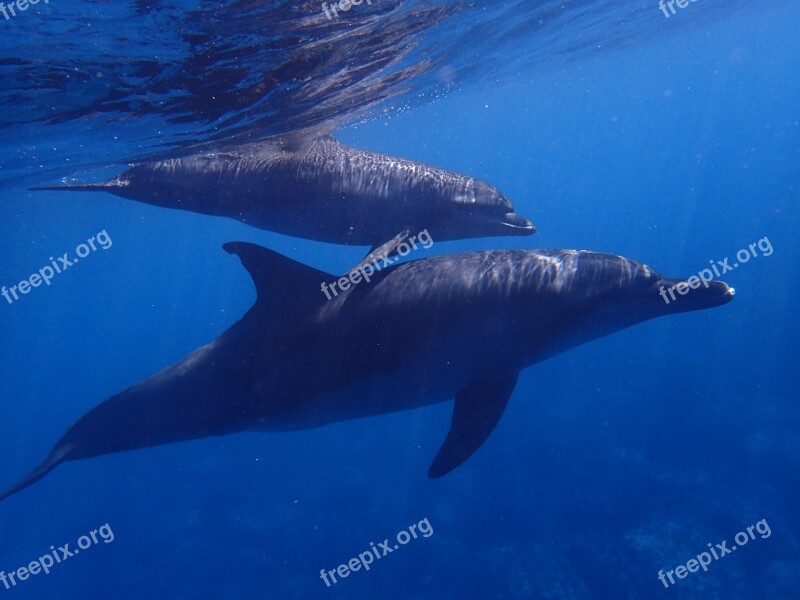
(615, 126)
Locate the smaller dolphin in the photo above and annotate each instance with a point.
(457, 326)
(322, 190)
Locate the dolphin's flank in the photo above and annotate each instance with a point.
(322, 190)
(457, 326)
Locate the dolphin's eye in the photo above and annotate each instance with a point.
(503, 206)
(490, 196)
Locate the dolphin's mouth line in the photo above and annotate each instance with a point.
(716, 283)
(715, 294)
(514, 221)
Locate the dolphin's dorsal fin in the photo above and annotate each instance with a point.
(296, 141)
(383, 250)
(477, 410)
(280, 281)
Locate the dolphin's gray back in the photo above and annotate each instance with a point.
(494, 277)
(484, 298)
(374, 175)
(320, 189)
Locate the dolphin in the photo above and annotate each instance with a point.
(417, 333)
(319, 189)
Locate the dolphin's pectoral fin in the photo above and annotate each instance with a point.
(379, 252)
(476, 412)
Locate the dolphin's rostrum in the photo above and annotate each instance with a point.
(322, 190)
(406, 340)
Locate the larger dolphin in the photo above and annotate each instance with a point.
(322, 190)
(418, 333)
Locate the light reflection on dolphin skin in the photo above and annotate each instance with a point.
(457, 326)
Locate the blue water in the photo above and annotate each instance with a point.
(677, 145)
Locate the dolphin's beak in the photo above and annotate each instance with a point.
(520, 225)
(681, 295)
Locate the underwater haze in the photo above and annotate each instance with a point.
(629, 467)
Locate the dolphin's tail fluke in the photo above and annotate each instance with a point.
(55, 458)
